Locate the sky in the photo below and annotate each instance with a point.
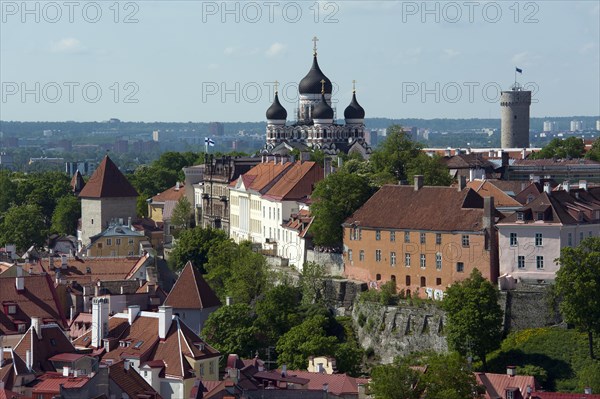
(204, 61)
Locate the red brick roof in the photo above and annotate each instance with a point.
(339, 384)
(297, 182)
(51, 383)
(560, 395)
(496, 384)
(38, 299)
(429, 208)
(131, 382)
(108, 181)
(170, 194)
(191, 291)
(487, 188)
(52, 342)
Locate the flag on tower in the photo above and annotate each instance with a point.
(209, 141)
(519, 70)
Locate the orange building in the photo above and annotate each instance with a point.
(423, 238)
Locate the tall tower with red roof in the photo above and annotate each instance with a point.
(107, 196)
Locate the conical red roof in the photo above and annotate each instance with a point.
(108, 181)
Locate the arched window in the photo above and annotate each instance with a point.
(393, 277)
(378, 277)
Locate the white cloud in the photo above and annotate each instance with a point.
(275, 49)
(450, 53)
(229, 50)
(212, 66)
(587, 48)
(68, 45)
(525, 59)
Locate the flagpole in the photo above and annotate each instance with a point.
(515, 77)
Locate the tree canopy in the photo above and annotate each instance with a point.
(193, 245)
(230, 329)
(578, 284)
(23, 225)
(571, 147)
(65, 215)
(474, 326)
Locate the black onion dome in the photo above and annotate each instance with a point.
(354, 110)
(276, 110)
(322, 110)
(311, 83)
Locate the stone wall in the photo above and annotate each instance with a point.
(528, 306)
(333, 262)
(391, 331)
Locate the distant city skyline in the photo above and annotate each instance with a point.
(218, 61)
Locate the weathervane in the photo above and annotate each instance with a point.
(353, 86)
(315, 40)
(276, 86)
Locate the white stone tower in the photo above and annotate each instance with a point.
(99, 321)
(515, 117)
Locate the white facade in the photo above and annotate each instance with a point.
(528, 251)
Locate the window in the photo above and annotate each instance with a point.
(521, 262)
(201, 369)
(211, 367)
(438, 238)
(520, 216)
(423, 262)
(438, 261)
(513, 239)
(393, 277)
(423, 281)
(539, 262)
(378, 255)
(460, 267)
(438, 281)
(407, 280)
(392, 236)
(12, 309)
(118, 241)
(361, 255)
(99, 245)
(393, 258)
(465, 240)
(580, 236)
(422, 238)
(407, 260)
(92, 221)
(378, 277)
(377, 235)
(109, 241)
(130, 241)
(538, 239)
(350, 255)
(407, 236)
(570, 239)
(540, 216)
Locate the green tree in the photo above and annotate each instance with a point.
(572, 147)
(394, 154)
(395, 381)
(312, 282)
(304, 340)
(589, 377)
(230, 329)
(8, 191)
(66, 214)
(434, 172)
(578, 283)
(594, 152)
(448, 377)
(193, 245)
(474, 316)
(23, 225)
(277, 311)
(335, 198)
(181, 214)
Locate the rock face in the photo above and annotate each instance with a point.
(392, 331)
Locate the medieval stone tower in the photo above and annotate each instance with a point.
(515, 117)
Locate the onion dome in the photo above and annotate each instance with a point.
(322, 110)
(354, 110)
(311, 83)
(276, 110)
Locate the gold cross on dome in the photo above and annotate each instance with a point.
(276, 86)
(353, 86)
(315, 40)
(322, 86)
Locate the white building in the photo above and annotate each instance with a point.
(531, 239)
(266, 199)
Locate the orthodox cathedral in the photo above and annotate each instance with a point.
(315, 126)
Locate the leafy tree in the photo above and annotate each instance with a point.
(66, 214)
(474, 316)
(335, 198)
(193, 245)
(394, 381)
(230, 329)
(311, 282)
(304, 340)
(448, 377)
(277, 312)
(594, 152)
(578, 283)
(23, 225)
(434, 172)
(572, 147)
(8, 191)
(181, 213)
(589, 377)
(394, 154)
(540, 374)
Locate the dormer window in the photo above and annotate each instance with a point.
(520, 216)
(540, 216)
(580, 216)
(10, 308)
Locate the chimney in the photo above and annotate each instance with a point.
(418, 182)
(37, 326)
(566, 186)
(177, 186)
(165, 318)
(504, 157)
(28, 360)
(523, 153)
(462, 183)
(66, 371)
(129, 222)
(63, 262)
(448, 152)
(20, 280)
(583, 185)
(132, 313)
(587, 390)
(547, 188)
(511, 371)
(99, 321)
(1, 350)
(126, 364)
(284, 371)
(71, 313)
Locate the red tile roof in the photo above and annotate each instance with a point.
(131, 382)
(560, 395)
(339, 384)
(191, 291)
(170, 194)
(38, 299)
(429, 208)
(108, 181)
(52, 342)
(297, 182)
(487, 188)
(496, 384)
(51, 383)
